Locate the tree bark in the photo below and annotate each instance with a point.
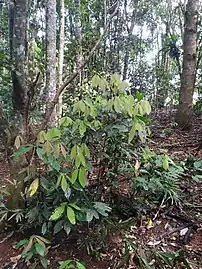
(50, 90)
(184, 113)
(61, 53)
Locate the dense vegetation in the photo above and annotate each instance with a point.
(82, 86)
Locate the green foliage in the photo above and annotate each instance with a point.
(34, 251)
(197, 108)
(67, 264)
(104, 127)
(193, 166)
(157, 177)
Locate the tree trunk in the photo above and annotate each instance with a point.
(78, 36)
(184, 113)
(61, 53)
(18, 25)
(50, 90)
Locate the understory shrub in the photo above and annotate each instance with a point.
(103, 130)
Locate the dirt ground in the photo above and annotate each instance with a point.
(159, 229)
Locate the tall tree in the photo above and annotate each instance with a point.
(61, 51)
(50, 90)
(183, 116)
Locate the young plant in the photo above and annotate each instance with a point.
(72, 264)
(34, 251)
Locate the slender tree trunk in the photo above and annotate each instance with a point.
(78, 35)
(128, 42)
(183, 116)
(19, 54)
(50, 90)
(61, 52)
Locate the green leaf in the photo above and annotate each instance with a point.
(58, 212)
(74, 176)
(59, 180)
(71, 215)
(82, 128)
(198, 164)
(80, 265)
(34, 187)
(64, 184)
(73, 152)
(43, 262)
(65, 264)
(75, 206)
(53, 133)
(44, 228)
(131, 134)
(86, 151)
(82, 176)
(146, 107)
(65, 121)
(22, 243)
(95, 81)
(22, 150)
(117, 105)
(139, 96)
(40, 249)
(165, 163)
(58, 226)
(77, 161)
(81, 157)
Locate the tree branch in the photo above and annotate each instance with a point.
(50, 108)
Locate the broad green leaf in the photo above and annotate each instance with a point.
(43, 261)
(57, 151)
(81, 106)
(53, 133)
(65, 121)
(139, 96)
(86, 151)
(82, 128)
(47, 148)
(80, 265)
(74, 176)
(146, 107)
(58, 212)
(64, 184)
(22, 150)
(82, 176)
(65, 264)
(117, 105)
(71, 215)
(59, 180)
(44, 228)
(95, 81)
(42, 137)
(75, 206)
(40, 249)
(73, 152)
(77, 161)
(34, 187)
(198, 164)
(132, 134)
(81, 157)
(58, 226)
(165, 163)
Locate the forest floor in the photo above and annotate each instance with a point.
(163, 229)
